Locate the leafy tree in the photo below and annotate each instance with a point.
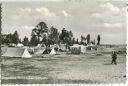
(15, 38)
(63, 35)
(54, 35)
(2, 39)
(8, 38)
(73, 41)
(66, 37)
(41, 32)
(77, 41)
(20, 41)
(34, 38)
(94, 42)
(46, 41)
(82, 40)
(42, 29)
(69, 38)
(25, 41)
(98, 40)
(88, 38)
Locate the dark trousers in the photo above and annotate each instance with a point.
(114, 61)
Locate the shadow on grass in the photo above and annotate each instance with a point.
(46, 81)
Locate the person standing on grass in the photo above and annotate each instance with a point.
(114, 57)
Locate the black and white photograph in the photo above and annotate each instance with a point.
(63, 42)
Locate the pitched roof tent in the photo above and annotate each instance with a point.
(17, 52)
(50, 51)
(39, 50)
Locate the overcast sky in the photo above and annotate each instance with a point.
(85, 17)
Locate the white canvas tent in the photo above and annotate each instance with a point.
(20, 45)
(77, 49)
(41, 45)
(62, 47)
(91, 48)
(17, 52)
(39, 50)
(83, 48)
(50, 51)
(3, 50)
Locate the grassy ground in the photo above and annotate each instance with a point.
(64, 69)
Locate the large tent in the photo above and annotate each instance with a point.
(17, 52)
(77, 49)
(39, 50)
(44, 50)
(3, 50)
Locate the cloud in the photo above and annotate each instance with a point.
(27, 27)
(111, 14)
(65, 13)
(108, 7)
(26, 12)
(45, 12)
(97, 15)
(124, 9)
(38, 13)
(16, 17)
(24, 27)
(26, 9)
(108, 25)
(107, 10)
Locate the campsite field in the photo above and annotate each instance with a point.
(64, 69)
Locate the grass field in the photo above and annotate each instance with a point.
(64, 69)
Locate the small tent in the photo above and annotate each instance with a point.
(50, 51)
(17, 52)
(12, 45)
(41, 45)
(39, 50)
(31, 50)
(20, 45)
(83, 48)
(62, 47)
(55, 46)
(94, 47)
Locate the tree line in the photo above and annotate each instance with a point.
(11, 38)
(49, 36)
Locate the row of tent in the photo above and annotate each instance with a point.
(77, 49)
(17, 52)
(62, 47)
(22, 51)
(25, 52)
